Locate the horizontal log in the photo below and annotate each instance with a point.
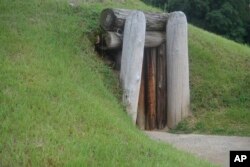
(114, 19)
(114, 40)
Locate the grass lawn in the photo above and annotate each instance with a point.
(220, 86)
(56, 102)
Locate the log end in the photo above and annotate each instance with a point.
(178, 17)
(107, 19)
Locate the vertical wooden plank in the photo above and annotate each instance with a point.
(161, 89)
(177, 69)
(151, 88)
(145, 66)
(140, 120)
(131, 61)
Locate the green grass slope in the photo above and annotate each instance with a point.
(56, 105)
(220, 85)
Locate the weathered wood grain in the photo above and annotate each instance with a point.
(114, 19)
(177, 69)
(161, 87)
(140, 121)
(131, 61)
(113, 40)
(151, 88)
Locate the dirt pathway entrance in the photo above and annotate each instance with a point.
(213, 148)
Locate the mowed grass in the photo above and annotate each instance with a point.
(220, 85)
(56, 102)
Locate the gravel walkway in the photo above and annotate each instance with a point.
(213, 148)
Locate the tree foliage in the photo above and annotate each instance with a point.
(229, 18)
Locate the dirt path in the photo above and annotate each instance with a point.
(215, 149)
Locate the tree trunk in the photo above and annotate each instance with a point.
(177, 69)
(113, 40)
(114, 19)
(132, 59)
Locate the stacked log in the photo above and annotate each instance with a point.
(113, 40)
(114, 20)
(155, 90)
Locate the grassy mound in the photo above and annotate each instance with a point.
(56, 105)
(220, 85)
